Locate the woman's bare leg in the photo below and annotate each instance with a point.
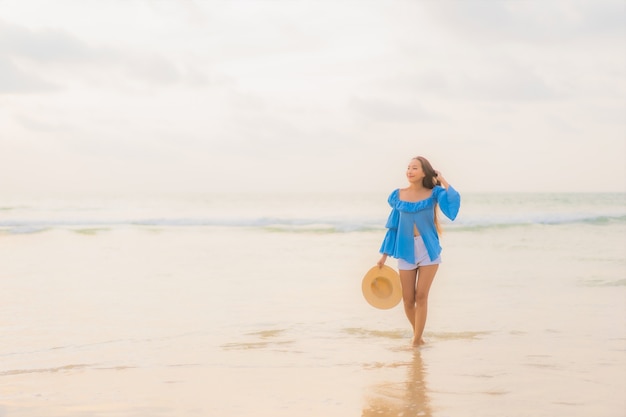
(426, 275)
(408, 280)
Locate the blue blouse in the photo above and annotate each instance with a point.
(398, 241)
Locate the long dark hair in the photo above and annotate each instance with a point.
(429, 181)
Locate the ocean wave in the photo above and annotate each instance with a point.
(296, 225)
(473, 225)
(271, 224)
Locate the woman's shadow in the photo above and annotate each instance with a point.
(409, 398)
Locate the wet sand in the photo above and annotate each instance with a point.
(169, 322)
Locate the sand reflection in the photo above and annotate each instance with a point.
(409, 398)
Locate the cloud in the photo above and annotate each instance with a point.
(531, 21)
(14, 80)
(37, 124)
(506, 82)
(67, 59)
(43, 46)
(374, 109)
(424, 81)
(152, 68)
(496, 79)
(603, 17)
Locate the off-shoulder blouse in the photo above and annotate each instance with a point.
(399, 239)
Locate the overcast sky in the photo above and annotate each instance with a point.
(288, 95)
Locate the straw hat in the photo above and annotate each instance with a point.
(382, 288)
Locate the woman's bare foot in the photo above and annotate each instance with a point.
(418, 342)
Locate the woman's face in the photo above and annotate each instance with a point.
(414, 172)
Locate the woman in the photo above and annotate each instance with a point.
(413, 236)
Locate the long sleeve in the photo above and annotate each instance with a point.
(449, 201)
(391, 237)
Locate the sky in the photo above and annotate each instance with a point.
(240, 96)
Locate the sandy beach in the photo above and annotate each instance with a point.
(241, 321)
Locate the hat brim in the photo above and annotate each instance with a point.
(382, 288)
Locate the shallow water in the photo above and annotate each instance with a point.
(201, 320)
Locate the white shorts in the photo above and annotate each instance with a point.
(421, 257)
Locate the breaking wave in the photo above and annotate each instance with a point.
(291, 225)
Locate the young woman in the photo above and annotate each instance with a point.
(413, 236)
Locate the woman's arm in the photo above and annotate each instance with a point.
(449, 199)
(382, 260)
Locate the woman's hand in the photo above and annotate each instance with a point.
(382, 260)
(442, 180)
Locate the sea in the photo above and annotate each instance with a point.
(250, 305)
